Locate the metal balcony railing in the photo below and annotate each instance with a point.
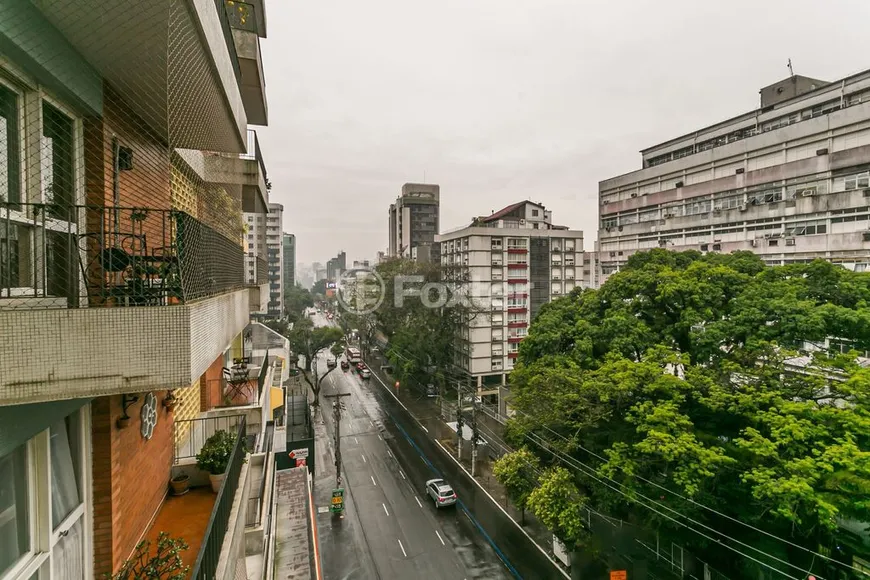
(209, 554)
(98, 256)
(254, 153)
(190, 435)
(223, 15)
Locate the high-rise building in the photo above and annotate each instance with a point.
(265, 250)
(512, 263)
(414, 219)
(788, 181)
(335, 266)
(289, 259)
(126, 163)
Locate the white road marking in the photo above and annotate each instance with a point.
(418, 501)
(364, 458)
(440, 538)
(371, 423)
(379, 437)
(374, 482)
(355, 440)
(385, 509)
(424, 428)
(402, 474)
(389, 453)
(403, 548)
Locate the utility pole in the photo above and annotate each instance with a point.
(475, 435)
(336, 414)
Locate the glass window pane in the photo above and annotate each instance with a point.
(14, 519)
(58, 158)
(68, 554)
(9, 169)
(65, 465)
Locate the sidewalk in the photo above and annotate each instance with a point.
(428, 412)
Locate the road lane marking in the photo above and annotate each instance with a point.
(402, 474)
(355, 440)
(379, 437)
(440, 538)
(389, 453)
(418, 501)
(364, 458)
(385, 509)
(371, 423)
(403, 548)
(424, 428)
(374, 482)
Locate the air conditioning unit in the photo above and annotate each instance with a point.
(522, 222)
(744, 206)
(810, 191)
(633, 195)
(668, 216)
(753, 243)
(789, 241)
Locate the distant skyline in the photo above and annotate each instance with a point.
(517, 99)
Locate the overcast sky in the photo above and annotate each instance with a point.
(503, 100)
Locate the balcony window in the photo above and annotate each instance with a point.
(56, 520)
(9, 146)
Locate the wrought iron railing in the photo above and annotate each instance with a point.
(223, 15)
(210, 552)
(190, 435)
(97, 256)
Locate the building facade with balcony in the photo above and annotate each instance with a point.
(788, 181)
(122, 273)
(511, 263)
(264, 258)
(414, 219)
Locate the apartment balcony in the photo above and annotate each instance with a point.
(513, 354)
(517, 280)
(205, 519)
(517, 251)
(124, 300)
(516, 309)
(248, 22)
(517, 324)
(174, 63)
(517, 265)
(515, 339)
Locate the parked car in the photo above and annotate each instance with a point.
(365, 373)
(330, 363)
(360, 366)
(345, 365)
(440, 492)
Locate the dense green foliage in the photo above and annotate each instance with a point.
(518, 473)
(678, 377)
(308, 341)
(296, 300)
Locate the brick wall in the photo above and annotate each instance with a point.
(210, 385)
(130, 478)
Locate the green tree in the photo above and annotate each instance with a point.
(559, 505)
(164, 563)
(517, 472)
(296, 300)
(681, 375)
(309, 341)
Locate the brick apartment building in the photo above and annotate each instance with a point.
(124, 174)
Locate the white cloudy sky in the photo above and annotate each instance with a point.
(502, 100)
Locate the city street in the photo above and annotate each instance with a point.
(390, 524)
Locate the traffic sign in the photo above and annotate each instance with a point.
(618, 575)
(337, 500)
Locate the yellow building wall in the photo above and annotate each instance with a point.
(186, 408)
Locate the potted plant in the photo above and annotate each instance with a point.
(164, 564)
(180, 484)
(169, 400)
(215, 456)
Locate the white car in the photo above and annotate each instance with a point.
(365, 373)
(440, 492)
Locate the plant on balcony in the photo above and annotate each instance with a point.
(215, 456)
(165, 564)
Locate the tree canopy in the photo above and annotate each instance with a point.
(681, 378)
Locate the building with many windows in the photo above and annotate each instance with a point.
(414, 219)
(509, 264)
(289, 259)
(789, 181)
(125, 167)
(265, 251)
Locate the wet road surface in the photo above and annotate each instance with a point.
(391, 529)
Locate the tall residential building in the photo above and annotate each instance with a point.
(788, 181)
(289, 258)
(265, 251)
(336, 266)
(414, 219)
(512, 263)
(125, 167)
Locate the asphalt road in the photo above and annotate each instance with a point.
(391, 529)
